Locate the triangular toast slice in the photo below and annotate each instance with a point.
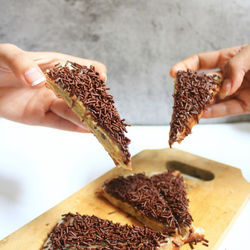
(137, 196)
(86, 94)
(193, 92)
(158, 202)
(75, 231)
(171, 186)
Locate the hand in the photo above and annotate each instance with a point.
(235, 66)
(23, 96)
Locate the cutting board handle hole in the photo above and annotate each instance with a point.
(190, 171)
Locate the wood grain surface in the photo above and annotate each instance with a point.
(217, 194)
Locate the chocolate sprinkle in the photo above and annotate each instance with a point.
(85, 84)
(162, 197)
(176, 244)
(90, 232)
(139, 191)
(193, 91)
(194, 239)
(172, 188)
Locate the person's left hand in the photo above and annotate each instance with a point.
(23, 96)
(234, 64)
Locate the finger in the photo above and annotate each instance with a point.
(23, 67)
(54, 121)
(226, 108)
(208, 60)
(48, 59)
(234, 72)
(61, 109)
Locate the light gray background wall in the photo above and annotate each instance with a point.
(138, 41)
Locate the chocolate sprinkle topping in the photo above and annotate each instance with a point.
(90, 232)
(195, 239)
(162, 197)
(139, 191)
(172, 188)
(193, 92)
(85, 84)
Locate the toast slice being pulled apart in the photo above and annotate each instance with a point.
(193, 92)
(86, 94)
(158, 202)
(75, 231)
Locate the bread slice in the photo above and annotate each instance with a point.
(85, 93)
(136, 195)
(75, 231)
(171, 186)
(193, 92)
(158, 202)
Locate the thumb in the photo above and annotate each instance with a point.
(22, 66)
(234, 72)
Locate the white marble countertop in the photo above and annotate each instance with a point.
(38, 169)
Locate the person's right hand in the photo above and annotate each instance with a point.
(23, 96)
(235, 66)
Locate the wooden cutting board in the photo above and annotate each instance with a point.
(216, 198)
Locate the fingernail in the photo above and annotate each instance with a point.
(34, 76)
(104, 76)
(226, 88)
(179, 69)
(176, 69)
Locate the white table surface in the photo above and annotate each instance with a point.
(39, 167)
